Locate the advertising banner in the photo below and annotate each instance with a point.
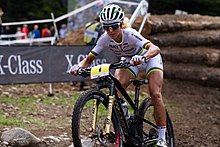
(44, 64)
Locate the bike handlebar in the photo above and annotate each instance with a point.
(84, 72)
(120, 64)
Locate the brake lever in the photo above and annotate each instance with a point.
(125, 63)
(83, 72)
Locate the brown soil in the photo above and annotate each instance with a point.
(194, 109)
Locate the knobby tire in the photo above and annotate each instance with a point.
(144, 109)
(76, 117)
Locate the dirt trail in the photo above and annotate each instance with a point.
(194, 109)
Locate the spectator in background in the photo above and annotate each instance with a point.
(19, 33)
(36, 32)
(45, 32)
(93, 30)
(1, 13)
(63, 31)
(25, 30)
(30, 35)
(7, 30)
(70, 23)
(52, 30)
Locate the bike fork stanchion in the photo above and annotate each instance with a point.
(109, 115)
(94, 113)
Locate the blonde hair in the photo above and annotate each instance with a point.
(125, 23)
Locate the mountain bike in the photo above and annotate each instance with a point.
(98, 118)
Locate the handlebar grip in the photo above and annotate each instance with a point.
(84, 72)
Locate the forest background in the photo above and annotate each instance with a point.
(22, 10)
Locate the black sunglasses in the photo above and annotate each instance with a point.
(112, 27)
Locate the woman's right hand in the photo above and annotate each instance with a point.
(73, 69)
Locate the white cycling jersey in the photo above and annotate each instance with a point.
(132, 44)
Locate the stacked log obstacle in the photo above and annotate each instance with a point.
(190, 46)
(174, 23)
(205, 56)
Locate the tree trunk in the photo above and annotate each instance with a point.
(207, 76)
(175, 23)
(187, 38)
(199, 55)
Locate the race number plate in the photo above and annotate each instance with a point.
(99, 71)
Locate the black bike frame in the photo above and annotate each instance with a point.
(112, 83)
(134, 104)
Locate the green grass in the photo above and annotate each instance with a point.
(8, 120)
(25, 108)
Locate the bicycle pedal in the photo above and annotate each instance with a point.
(111, 137)
(93, 136)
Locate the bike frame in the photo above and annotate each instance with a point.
(112, 84)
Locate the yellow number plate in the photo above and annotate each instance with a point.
(99, 71)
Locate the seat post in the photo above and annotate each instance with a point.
(137, 83)
(137, 91)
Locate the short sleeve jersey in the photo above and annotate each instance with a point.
(132, 44)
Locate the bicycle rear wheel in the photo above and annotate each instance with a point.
(148, 132)
(82, 119)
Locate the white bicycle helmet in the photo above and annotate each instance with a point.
(111, 14)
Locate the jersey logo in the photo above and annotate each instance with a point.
(125, 45)
(113, 46)
(136, 37)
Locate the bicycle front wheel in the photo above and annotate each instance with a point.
(84, 131)
(148, 130)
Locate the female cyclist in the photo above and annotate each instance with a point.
(144, 55)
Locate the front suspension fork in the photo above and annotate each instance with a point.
(94, 113)
(109, 115)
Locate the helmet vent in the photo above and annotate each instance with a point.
(121, 16)
(112, 13)
(116, 15)
(108, 13)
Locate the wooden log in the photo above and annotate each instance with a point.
(208, 76)
(187, 38)
(174, 23)
(209, 56)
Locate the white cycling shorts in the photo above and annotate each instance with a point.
(152, 64)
